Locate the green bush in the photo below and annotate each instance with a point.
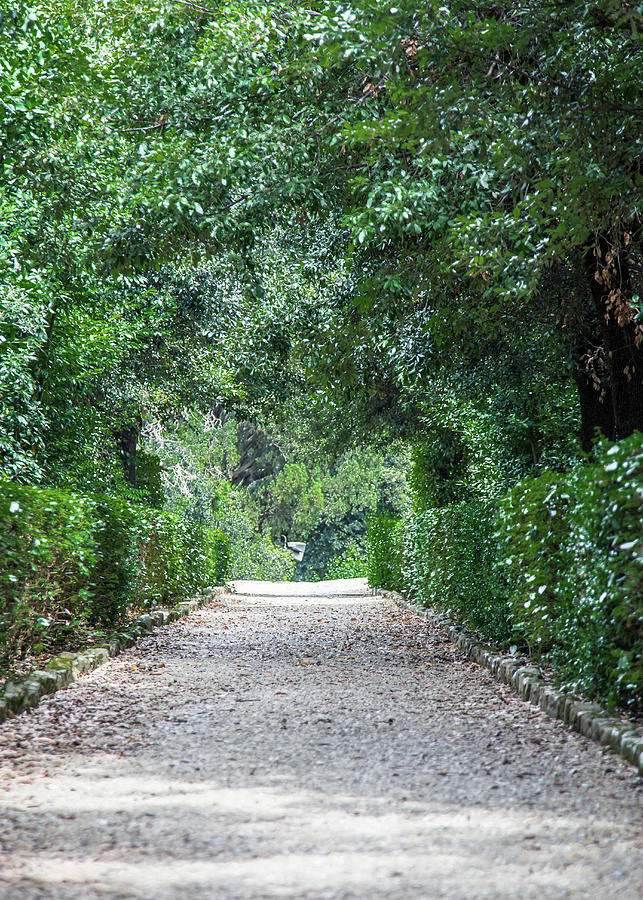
(351, 563)
(453, 562)
(71, 560)
(47, 555)
(574, 545)
(220, 547)
(116, 539)
(384, 552)
(251, 555)
(556, 565)
(258, 558)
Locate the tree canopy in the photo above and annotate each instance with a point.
(256, 256)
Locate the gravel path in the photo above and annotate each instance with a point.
(319, 746)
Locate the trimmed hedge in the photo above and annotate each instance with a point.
(452, 560)
(556, 565)
(574, 545)
(252, 555)
(69, 560)
(384, 551)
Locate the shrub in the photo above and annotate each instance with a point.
(453, 561)
(258, 558)
(117, 543)
(220, 555)
(384, 552)
(556, 565)
(351, 563)
(575, 548)
(252, 555)
(71, 560)
(47, 554)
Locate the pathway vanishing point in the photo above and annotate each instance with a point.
(318, 745)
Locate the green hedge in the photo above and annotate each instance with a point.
(453, 561)
(351, 563)
(68, 560)
(384, 561)
(574, 545)
(556, 566)
(253, 555)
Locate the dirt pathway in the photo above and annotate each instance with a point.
(327, 746)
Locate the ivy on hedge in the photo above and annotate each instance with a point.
(70, 559)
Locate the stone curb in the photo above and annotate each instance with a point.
(588, 719)
(18, 696)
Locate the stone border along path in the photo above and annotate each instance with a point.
(313, 742)
(588, 719)
(18, 696)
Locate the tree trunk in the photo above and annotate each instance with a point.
(258, 456)
(607, 268)
(596, 409)
(128, 441)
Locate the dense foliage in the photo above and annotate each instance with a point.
(250, 254)
(573, 546)
(384, 567)
(452, 561)
(554, 567)
(351, 563)
(72, 561)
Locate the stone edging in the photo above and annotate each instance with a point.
(65, 668)
(589, 719)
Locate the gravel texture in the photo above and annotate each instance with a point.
(326, 745)
(19, 694)
(618, 733)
